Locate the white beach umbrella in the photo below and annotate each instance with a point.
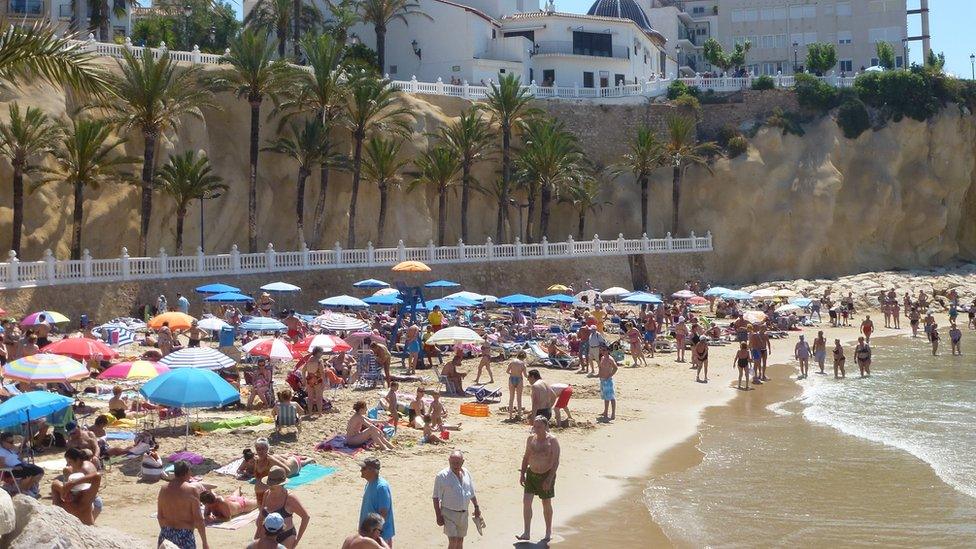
(754, 317)
(789, 307)
(454, 335)
(784, 293)
(466, 295)
(765, 293)
(683, 294)
(212, 323)
(614, 291)
(339, 323)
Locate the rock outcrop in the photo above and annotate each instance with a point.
(42, 525)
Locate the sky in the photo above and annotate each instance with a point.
(951, 29)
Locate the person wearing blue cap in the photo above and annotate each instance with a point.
(273, 524)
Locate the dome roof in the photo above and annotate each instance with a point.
(623, 9)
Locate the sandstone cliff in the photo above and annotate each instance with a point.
(793, 206)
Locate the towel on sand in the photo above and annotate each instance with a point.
(308, 474)
(247, 519)
(189, 457)
(230, 469)
(338, 444)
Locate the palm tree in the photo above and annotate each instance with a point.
(438, 167)
(153, 96)
(306, 146)
(508, 104)
(552, 157)
(372, 108)
(471, 139)
(35, 51)
(320, 91)
(380, 13)
(24, 140)
(382, 165)
(643, 157)
(185, 178)
(254, 74)
(681, 151)
(88, 156)
(585, 197)
(275, 16)
(101, 15)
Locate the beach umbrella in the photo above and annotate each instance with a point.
(81, 348)
(411, 267)
(643, 298)
(262, 324)
(716, 291)
(45, 368)
(136, 369)
(197, 357)
(683, 294)
(228, 297)
(697, 300)
(281, 287)
(461, 301)
(560, 298)
(765, 293)
(50, 317)
(271, 347)
(327, 342)
(557, 288)
(386, 291)
(754, 317)
(212, 323)
(175, 320)
(383, 300)
(587, 296)
(442, 284)
(454, 335)
(521, 300)
(614, 291)
(122, 336)
(343, 301)
(737, 295)
(784, 293)
(217, 289)
(31, 405)
(189, 388)
(371, 283)
(466, 295)
(788, 308)
(444, 304)
(801, 301)
(339, 323)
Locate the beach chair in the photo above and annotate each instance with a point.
(287, 416)
(484, 394)
(444, 382)
(369, 372)
(537, 354)
(58, 422)
(8, 482)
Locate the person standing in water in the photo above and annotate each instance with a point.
(862, 353)
(955, 337)
(867, 328)
(741, 361)
(933, 332)
(820, 351)
(839, 360)
(802, 353)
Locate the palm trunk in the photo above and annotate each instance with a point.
(644, 199)
(252, 181)
(675, 200)
(297, 31)
(180, 219)
(357, 164)
(319, 214)
(76, 215)
(282, 36)
(465, 196)
(506, 179)
(544, 211)
(381, 222)
(300, 203)
(103, 26)
(381, 47)
(530, 214)
(148, 161)
(18, 199)
(500, 220)
(581, 224)
(441, 216)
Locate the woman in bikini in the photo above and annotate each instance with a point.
(516, 374)
(223, 508)
(485, 363)
(839, 360)
(264, 462)
(700, 356)
(934, 337)
(265, 303)
(741, 361)
(314, 380)
(412, 346)
(862, 353)
(636, 345)
(278, 500)
(361, 430)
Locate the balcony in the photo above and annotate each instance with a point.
(567, 48)
(28, 8)
(686, 35)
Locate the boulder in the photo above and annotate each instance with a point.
(8, 518)
(41, 525)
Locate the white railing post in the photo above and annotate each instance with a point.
(86, 266)
(401, 252)
(235, 259)
(413, 84)
(50, 266)
(271, 255)
(667, 241)
(370, 253)
(200, 260)
(466, 91)
(439, 86)
(128, 44)
(779, 79)
(545, 246)
(645, 242)
(163, 263)
(195, 55)
(430, 250)
(693, 241)
(306, 256)
(533, 88)
(518, 247)
(570, 245)
(575, 89)
(12, 263)
(489, 249)
(338, 253)
(708, 242)
(620, 242)
(595, 244)
(461, 251)
(124, 264)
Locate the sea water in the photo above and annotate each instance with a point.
(888, 460)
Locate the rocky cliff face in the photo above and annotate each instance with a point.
(793, 206)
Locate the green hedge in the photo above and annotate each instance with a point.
(764, 82)
(852, 117)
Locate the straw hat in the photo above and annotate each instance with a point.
(276, 477)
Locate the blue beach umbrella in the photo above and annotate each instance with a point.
(462, 302)
(343, 301)
(217, 289)
(716, 291)
(262, 324)
(801, 301)
(189, 388)
(228, 297)
(643, 298)
(442, 284)
(281, 287)
(30, 406)
(371, 283)
(446, 305)
(560, 298)
(388, 299)
(737, 295)
(522, 300)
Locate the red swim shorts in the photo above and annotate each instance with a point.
(563, 399)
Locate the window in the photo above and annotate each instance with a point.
(769, 68)
(745, 15)
(528, 34)
(803, 11)
(768, 41)
(843, 9)
(845, 37)
(899, 61)
(781, 41)
(698, 11)
(846, 65)
(549, 77)
(604, 79)
(592, 43)
(393, 69)
(619, 79)
(875, 62)
(26, 7)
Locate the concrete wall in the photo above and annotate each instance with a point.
(102, 302)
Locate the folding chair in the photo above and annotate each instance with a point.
(369, 372)
(287, 416)
(446, 383)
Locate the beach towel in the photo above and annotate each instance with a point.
(120, 435)
(189, 457)
(338, 444)
(238, 522)
(233, 423)
(230, 469)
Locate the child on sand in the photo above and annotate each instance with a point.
(416, 410)
(391, 404)
(607, 369)
(741, 361)
(430, 437)
(485, 363)
(516, 376)
(437, 415)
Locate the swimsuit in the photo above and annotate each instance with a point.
(743, 363)
(756, 354)
(607, 389)
(413, 346)
(533, 484)
(515, 380)
(180, 537)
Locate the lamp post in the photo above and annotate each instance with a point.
(520, 207)
(972, 63)
(213, 35)
(904, 52)
(202, 198)
(187, 13)
(796, 56)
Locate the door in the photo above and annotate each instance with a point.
(549, 77)
(604, 79)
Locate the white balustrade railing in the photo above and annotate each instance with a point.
(51, 271)
(651, 88)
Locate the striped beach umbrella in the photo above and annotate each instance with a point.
(197, 357)
(45, 368)
(328, 343)
(136, 369)
(339, 323)
(263, 324)
(81, 348)
(44, 317)
(271, 347)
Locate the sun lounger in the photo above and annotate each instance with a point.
(484, 394)
(537, 354)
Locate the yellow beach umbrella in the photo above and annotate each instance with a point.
(411, 267)
(557, 288)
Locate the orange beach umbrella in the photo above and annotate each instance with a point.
(411, 267)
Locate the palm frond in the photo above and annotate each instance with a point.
(35, 51)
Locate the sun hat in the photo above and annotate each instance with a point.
(276, 477)
(273, 522)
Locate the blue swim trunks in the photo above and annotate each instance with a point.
(413, 346)
(756, 354)
(606, 389)
(177, 536)
(650, 336)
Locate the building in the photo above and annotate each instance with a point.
(476, 41)
(781, 30)
(58, 13)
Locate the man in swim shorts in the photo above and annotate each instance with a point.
(538, 475)
(820, 350)
(543, 396)
(563, 393)
(755, 353)
(178, 510)
(608, 367)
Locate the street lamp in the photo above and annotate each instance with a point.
(202, 198)
(796, 56)
(972, 62)
(187, 13)
(520, 207)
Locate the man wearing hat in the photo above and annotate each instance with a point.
(26, 475)
(377, 497)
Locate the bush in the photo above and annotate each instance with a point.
(788, 121)
(812, 93)
(689, 101)
(764, 82)
(852, 117)
(725, 135)
(902, 93)
(679, 88)
(737, 146)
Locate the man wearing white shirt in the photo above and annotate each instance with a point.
(453, 489)
(26, 475)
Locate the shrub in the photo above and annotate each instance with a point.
(788, 121)
(737, 146)
(764, 82)
(903, 93)
(821, 57)
(725, 134)
(689, 101)
(852, 117)
(679, 88)
(812, 93)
